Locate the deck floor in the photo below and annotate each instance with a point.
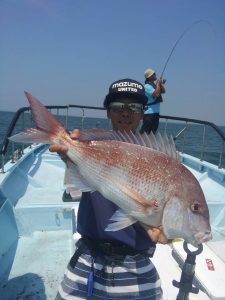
(38, 269)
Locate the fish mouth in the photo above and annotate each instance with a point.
(202, 237)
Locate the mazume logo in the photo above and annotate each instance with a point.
(127, 84)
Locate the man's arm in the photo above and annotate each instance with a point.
(159, 88)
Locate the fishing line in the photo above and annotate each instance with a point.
(179, 38)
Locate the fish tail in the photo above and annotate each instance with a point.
(48, 130)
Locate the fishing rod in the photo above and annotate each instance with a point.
(178, 40)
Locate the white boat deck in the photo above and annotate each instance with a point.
(38, 266)
(37, 258)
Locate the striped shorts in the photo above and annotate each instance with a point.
(118, 277)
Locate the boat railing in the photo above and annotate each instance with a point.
(202, 141)
(179, 134)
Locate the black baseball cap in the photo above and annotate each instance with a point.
(126, 88)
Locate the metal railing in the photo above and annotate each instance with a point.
(180, 137)
(204, 124)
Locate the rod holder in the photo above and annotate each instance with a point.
(187, 275)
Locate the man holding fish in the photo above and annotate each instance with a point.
(135, 192)
(121, 266)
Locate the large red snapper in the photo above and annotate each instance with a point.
(138, 173)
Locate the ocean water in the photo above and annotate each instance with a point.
(190, 141)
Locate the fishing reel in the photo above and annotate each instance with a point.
(163, 80)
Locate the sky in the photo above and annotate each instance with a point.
(69, 52)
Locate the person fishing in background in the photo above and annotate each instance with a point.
(153, 90)
(112, 264)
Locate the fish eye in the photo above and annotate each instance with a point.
(195, 207)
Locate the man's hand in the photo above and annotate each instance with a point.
(61, 149)
(159, 82)
(157, 235)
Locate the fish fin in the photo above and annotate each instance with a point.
(164, 144)
(119, 215)
(132, 193)
(48, 127)
(31, 135)
(43, 119)
(121, 221)
(73, 180)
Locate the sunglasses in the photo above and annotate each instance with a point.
(118, 107)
